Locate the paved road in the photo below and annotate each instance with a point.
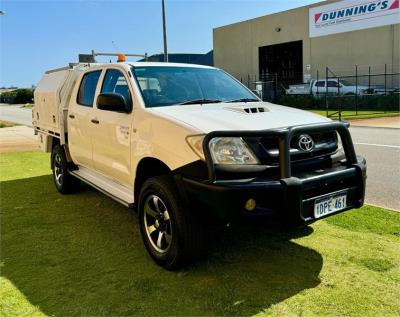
(16, 114)
(380, 146)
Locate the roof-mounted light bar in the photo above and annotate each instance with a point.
(121, 57)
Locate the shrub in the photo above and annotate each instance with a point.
(299, 101)
(24, 96)
(390, 102)
(11, 93)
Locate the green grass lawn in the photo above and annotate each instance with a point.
(363, 114)
(82, 255)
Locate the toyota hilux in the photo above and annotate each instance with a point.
(182, 143)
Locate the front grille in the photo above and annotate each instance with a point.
(267, 148)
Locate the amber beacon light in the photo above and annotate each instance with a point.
(121, 58)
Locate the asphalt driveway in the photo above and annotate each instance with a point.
(381, 148)
(16, 114)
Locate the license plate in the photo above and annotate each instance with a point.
(329, 204)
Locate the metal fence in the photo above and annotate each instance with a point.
(372, 92)
(339, 92)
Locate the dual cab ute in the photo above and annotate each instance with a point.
(331, 86)
(185, 144)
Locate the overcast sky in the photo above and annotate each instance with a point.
(40, 35)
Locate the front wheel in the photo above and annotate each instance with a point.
(64, 181)
(170, 232)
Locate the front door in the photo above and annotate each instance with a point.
(112, 135)
(79, 120)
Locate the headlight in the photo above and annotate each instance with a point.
(231, 150)
(196, 144)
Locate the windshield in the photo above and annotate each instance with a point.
(165, 86)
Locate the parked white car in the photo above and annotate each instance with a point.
(187, 144)
(330, 86)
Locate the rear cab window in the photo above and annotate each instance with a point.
(87, 88)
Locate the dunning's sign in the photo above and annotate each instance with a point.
(351, 15)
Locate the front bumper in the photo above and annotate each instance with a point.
(290, 197)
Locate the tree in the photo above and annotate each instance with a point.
(24, 96)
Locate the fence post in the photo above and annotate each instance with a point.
(385, 85)
(340, 100)
(369, 79)
(385, 78)
(326, 91)
(356, 90)
(317, 86)
(248, 81)
(276, 86)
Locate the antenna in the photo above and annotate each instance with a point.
(116, 48)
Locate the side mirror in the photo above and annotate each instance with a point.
(112, 102)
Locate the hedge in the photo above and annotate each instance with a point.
(389, 102)
(22, 95)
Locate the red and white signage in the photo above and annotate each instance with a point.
(351, 15)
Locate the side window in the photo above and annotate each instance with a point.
(87, 89)
(332, 83)
(320, 84)
(115, 82)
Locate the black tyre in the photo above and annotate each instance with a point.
(64, 181)
(170, 232)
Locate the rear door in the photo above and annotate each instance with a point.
(111, 141)
(318, 87)
(334, 87)
(80, 127)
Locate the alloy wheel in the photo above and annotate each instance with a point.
(157, 223)
(58, 169)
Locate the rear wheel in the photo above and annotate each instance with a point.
(170, 232)
(65, 182)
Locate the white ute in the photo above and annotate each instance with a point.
(331, 87)
(187, 145)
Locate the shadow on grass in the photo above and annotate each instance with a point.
(82, 255)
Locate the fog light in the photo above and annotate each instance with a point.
(250, 204)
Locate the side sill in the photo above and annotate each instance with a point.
(112, 189)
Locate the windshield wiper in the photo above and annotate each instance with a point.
(244, 100)
(200, 101)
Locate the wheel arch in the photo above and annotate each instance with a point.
(54, 143)
(148, 167)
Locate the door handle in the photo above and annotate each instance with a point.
(95, 121)
(71, 116)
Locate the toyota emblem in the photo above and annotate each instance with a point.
(306, 143)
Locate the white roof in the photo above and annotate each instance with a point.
(138, 64)
(86, 66)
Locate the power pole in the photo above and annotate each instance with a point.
(164, 33)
